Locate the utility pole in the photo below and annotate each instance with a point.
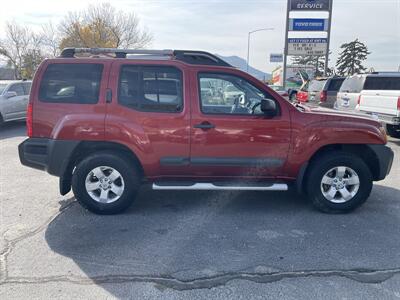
(248, 44)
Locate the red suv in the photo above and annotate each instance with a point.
(107, 120)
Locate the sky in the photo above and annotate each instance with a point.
(222, 26)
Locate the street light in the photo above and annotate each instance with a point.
(248, 43)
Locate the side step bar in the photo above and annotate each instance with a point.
(200, 186)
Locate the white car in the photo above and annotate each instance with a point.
(381, 99)
(349, 92)
(14, 96)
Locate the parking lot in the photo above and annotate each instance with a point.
(172, 245)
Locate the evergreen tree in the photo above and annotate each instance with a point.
(318, 62)
(350, 60)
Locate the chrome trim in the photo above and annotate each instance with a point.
(210, 186)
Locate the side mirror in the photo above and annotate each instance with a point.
(268, 107)
(10, 94)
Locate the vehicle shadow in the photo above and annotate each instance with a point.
(191, 235)
(12, 129)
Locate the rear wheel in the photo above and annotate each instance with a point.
(105, 183)
(393, 130)
(338, 182)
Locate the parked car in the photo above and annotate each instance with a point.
(380, 97)
(349, 93)
(105, 143)
(13, 100)
(323, 92)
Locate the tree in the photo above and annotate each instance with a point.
(318, 62)
(103, 26)
(351, 58)
(18, 47)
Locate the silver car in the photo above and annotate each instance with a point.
(14, 96)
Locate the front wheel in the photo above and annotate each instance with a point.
(105, 183)
(338, 182)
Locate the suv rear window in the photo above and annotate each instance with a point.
(335, 84)
(382, 83)
(153, 89)
(353, 84)
(71, 83)
(316, 85)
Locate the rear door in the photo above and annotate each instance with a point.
(332, 90)
(314, 90)
(150, 114)
(230, 136)
(349, 92)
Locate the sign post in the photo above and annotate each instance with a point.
(307, 46)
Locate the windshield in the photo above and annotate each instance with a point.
(2, 88)
(353, 84)
(316, 85)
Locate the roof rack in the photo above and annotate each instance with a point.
(187, 56)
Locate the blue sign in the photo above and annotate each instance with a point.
(308, 25)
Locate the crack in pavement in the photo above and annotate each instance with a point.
(168, 281)
(10, 244)
(363, 276)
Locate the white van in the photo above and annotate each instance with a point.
(380, 97)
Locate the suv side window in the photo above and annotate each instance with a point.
(71, 83)
(382, 83)
(229, 94)
(335, 84)
(149, 88)
(17, 87)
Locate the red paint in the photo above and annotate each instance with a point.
(323, 96)
(293, 136)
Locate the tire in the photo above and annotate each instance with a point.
(125, 182)
(393, 130)
(331, 165)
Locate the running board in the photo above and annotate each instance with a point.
(220, 187)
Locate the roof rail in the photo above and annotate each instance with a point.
(187, 56)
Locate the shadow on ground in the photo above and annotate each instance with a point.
(12, 129)
(191, 235)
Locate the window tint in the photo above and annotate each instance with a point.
(353, 84)
(228, 94)
(382, 83)
(316, 85)
(335, 84)
(27, 87)
(157, 89)
(71, 83)
(17, 87)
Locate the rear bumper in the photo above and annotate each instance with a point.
(45, 154)
(385, 157)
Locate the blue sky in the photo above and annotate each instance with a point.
(221, 26)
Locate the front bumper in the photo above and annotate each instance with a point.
(45, 154)
(385, 156)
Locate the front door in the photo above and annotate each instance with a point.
(231, 137)
(15, 107)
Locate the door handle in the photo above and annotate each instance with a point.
(204, 125)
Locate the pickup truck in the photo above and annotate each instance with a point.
(106, 121)
(381, 99)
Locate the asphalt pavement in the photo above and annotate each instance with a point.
(200, 245)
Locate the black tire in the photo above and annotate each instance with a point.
(117, 161)
(393, 130)
(321, 165)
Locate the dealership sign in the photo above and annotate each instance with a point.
(311, 46)
(308, 25)
(276, 57)
(320, 5)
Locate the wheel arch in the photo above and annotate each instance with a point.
(84, 149)
(361, 150)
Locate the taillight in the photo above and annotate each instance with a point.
(323, 96)
(359, 100)
(398, 103)
(29, 120)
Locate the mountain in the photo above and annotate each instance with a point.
(241, 64)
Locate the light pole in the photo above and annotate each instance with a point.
(248, 44)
